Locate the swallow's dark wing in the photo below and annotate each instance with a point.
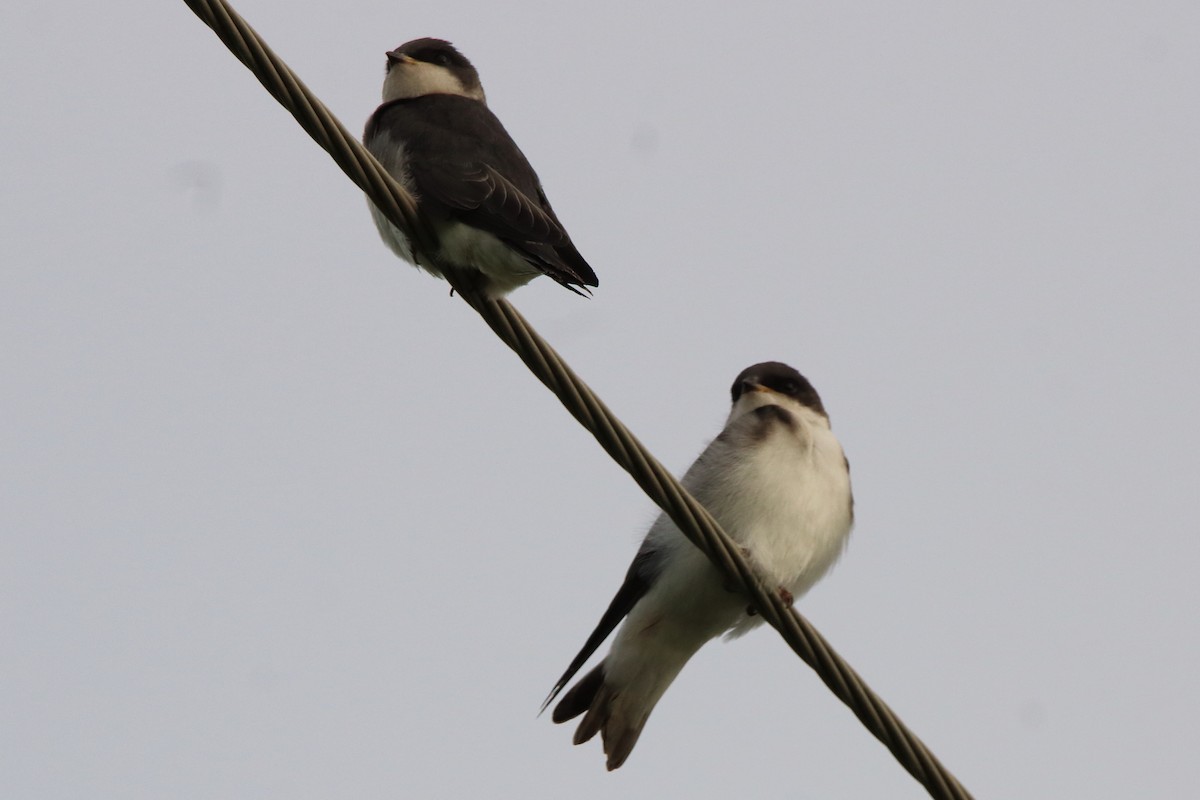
(638, 580)
(462, 161)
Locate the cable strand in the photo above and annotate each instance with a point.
(542, 360)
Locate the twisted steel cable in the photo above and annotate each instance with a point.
(541, 359)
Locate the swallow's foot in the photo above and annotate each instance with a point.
(784, 595)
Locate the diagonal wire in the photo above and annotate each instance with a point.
(541, 359)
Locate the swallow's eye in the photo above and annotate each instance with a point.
(789, 388)
(443, 59)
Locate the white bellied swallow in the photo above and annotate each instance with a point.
(778, 483)
(435, 134)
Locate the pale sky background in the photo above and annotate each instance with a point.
(281, 519)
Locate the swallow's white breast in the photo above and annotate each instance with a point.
(786, 499)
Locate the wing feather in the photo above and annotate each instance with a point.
(638, 580)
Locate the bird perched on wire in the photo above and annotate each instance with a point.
(778, 483)
(484, 203)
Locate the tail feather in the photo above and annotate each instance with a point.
(619, 744)
(579, 698)
(602, 713)
(595, 718)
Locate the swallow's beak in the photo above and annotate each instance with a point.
(751, 386)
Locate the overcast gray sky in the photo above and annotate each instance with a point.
(281, 519)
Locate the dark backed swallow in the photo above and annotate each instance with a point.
(778, 483)
(435, 134)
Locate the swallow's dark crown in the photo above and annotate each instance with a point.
(781, 378)
(435, 51)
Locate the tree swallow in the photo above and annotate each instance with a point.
(777, 481)
(435, 134)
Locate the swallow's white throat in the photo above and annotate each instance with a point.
(409, 79)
